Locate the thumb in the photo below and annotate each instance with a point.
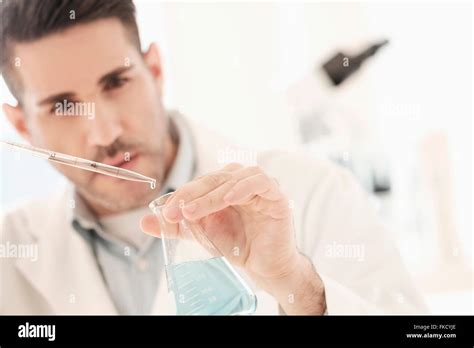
(150, 225)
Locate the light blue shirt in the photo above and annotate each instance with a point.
(131, 267)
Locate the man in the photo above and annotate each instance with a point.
(288, 217)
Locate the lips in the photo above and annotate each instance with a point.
(120, 160)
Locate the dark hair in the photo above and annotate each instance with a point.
(29, 20)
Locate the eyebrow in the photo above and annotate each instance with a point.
(115, 72)
(56, 97)
(70, 95)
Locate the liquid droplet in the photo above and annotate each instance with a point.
(153, 185)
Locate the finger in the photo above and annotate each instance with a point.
(209, 203)
(232, 167)
(249, 187)
(191, 191)
(203, 185)
(151, 224)
(197, 188)
(245, 172)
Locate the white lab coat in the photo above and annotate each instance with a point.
(332, 216)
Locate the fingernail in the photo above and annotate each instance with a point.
(228, 197)
(171, 212)
(191, 207)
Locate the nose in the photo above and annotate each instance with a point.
(105, 127)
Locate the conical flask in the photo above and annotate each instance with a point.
(201, 279)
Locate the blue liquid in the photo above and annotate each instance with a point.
(209, 287)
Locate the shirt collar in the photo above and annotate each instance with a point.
(183, 168)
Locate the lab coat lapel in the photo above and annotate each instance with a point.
(65, 272)
(207, 146)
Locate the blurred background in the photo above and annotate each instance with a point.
(382, 89)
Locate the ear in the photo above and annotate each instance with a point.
(17, 118)
(153, 61)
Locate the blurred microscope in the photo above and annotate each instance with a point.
(327, 126)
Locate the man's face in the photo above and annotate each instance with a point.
(88, 92)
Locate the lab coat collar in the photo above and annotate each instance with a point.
(65, 273)
(183, 168)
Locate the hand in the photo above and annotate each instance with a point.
(248, 218)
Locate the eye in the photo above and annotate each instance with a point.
(53, 108)
(115, 82)
(59, 106)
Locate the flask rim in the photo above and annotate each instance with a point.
(160, 202)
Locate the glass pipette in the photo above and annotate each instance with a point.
(82, 163)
